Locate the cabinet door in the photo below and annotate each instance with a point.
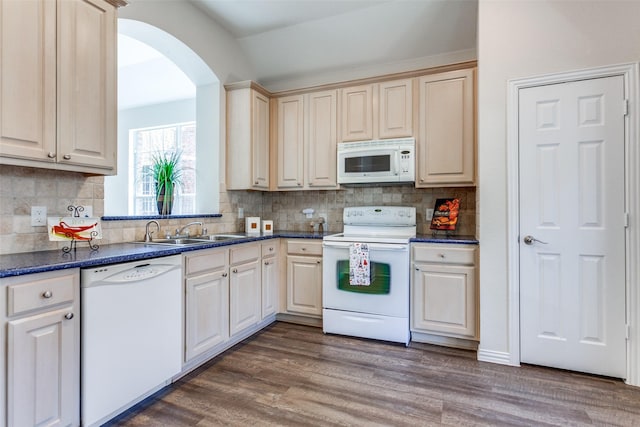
(206, 312)
(304, 285)
(260, 140)
(245, 290)
(290, 141)
(444, 300)
(446, 146)
(87, 72)
(322, 140)
(396, 109)
(357, 113)
(270, 275)
(43, 369)
(28, 79)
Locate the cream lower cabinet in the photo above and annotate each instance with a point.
(446, 148)
(270, 277)
(43, 349)
(245, 287)
(444, 294)
(304, 277)
(206, 301)
(58, 84)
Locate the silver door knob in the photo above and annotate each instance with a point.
(529, 240)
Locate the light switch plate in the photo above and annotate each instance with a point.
(429, 214)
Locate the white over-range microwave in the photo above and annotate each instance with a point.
(389, 160)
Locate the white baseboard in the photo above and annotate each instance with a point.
(491, 356)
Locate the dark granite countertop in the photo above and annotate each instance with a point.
(442, 238)
(37, 262)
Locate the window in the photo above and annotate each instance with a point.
(147, 141)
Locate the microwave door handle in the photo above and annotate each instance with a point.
(396, 161)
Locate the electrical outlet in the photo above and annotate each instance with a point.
(429, 214)
(240, 213)
(39, 216)
(87, 212)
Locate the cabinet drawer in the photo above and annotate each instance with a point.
(244, 253)
(201, 261)
(446, 254)
(271, 248)
(37, 294)
(304, 247)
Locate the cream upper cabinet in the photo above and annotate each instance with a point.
(444, 293)
(377, 111)
(446, 144)
(357, 113)
(322, 139)
(290, 146)
(306, 141)
(395, 119)
(247, 165)
(58, 85)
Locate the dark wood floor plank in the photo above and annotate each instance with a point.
(293, 375)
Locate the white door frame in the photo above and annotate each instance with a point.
(630, 73)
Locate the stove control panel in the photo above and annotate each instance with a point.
(380, 215)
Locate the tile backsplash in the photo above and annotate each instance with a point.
(21, 188)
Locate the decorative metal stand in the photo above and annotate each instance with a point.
(72, 244)
(447, 233)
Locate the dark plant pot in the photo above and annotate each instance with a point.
(165, 204)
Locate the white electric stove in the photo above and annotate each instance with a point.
(378, 309)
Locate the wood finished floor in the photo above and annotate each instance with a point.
(294, 375)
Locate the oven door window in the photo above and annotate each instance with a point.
(380, 279)
(364, 164)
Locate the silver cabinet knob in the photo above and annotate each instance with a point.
(47, 294)
(271, 249)
(443, 256)
(304, 249)
(267, 263)
(318, 262)
(530, 240)
(255, 183)
(67, 157)
(224, 274)
(68, 316)
(51, 155)
(235, 270)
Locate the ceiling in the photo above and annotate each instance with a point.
(303, 43)
(325, 40)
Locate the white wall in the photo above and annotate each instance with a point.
(520, 39)
(217, 48)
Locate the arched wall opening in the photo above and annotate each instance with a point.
(203, 107)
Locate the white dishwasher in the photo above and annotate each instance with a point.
(131, 334)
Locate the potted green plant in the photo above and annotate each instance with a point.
(166, 173)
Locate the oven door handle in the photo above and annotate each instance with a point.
(372, 246)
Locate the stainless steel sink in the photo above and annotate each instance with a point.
(175, 242)
(219, 237)
(197, 240)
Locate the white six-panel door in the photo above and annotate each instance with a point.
(572, 235)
